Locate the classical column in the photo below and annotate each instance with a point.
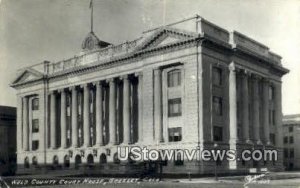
(99, 131)
(74, 117)
(265, 111)
(126, 110)
(245, 107)
(112, 111)
(53, 120)
(25, 124)
(232, 112)
(256, 123)
(158, 105)
(278, 115)
(86, 115)
(19, 124)
(140, 106)
(63, 119)
(30, 123)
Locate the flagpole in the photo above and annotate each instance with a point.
(92, 11)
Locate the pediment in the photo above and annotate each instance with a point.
(27, 75)
(164, 37)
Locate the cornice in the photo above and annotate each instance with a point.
(133, 56)
(239, 50)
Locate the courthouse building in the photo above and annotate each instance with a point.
(186, 85)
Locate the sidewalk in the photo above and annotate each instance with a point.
(274, 177)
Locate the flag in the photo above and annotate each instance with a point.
(91, 3)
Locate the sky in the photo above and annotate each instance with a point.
(32, 31)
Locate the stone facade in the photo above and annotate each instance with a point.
(186, 85)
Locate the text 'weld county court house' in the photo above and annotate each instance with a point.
(184, 85)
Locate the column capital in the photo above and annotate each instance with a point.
(256, 77)
(71, 88)
(97, 83)
(138, 74)
(265, 80)
(232, 67)
(157, 70)
(244, 72)
(124, 77)
(61, 90)
(85, 85)
(53, 92)
(110, 80)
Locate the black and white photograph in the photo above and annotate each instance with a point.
(150, 93)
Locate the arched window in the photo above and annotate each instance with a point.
(219, 162)
(103, 159)
(116, 159)
(77, 161)
(34, 161)
(163, 161)
(178, 159)
(67, 161)
(55, 160)
(90, 159)
(26, 162)
(131, 158)
(174, 78)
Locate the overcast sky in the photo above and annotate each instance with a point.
(35, 30)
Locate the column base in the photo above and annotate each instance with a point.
(268, 143)
(98, 145)
(258, 142)
(112, 143)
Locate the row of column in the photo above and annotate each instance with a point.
(99, 119)
(255, 110)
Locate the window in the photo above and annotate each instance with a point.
(103, 158)
(68, 103)
(272, 138)
(26, 162)
(286, 153)
(116, 159)
(175, 134)
(272, 117)
(291, 153)
(243, 162)
(174, 78)
(291, 140)
(174, 107)
(285, 140)
(79, 103)
(218, 133)
(217, 105)
(35, 104)
(55, 160)
(271, 93)
(217, 76)
(34, 161)
(291, 129)
(67, 161)
(68, 99)
(178, 160)
(35, 125)
(35, 145)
